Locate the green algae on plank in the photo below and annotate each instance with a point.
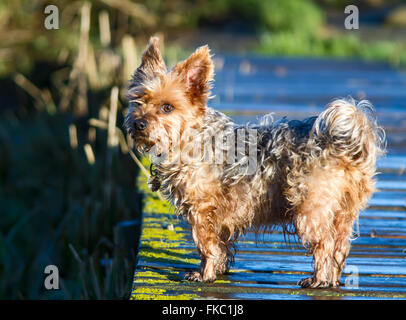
(229, 290)
(144, 296)
(157, 205)
(152, 274)
(152, 293)
(160, 218)
(142, 279)
(151, 281)
(160, 277)
(159, 244)
(151, 202)
(225, 281)
(163, 244)
(161, 233)
(168, 255)
(161, 239)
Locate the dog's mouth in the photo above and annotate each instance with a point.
(145, 146)
(148, 150)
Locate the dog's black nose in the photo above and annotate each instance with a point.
(140, 124)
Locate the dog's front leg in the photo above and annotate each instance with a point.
(197, 275)
(208, 244)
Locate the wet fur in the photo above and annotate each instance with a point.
(312, 176)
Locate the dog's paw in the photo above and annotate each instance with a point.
(193, 276)
(337, 284)
(313, 283)
(209, 279)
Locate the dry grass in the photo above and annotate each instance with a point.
(67, 181)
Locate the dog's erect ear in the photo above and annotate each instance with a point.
(152, 63)
(197, 73)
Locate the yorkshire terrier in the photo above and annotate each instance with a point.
(310, 177)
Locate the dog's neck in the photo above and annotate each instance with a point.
(171, 175)
(214, 124)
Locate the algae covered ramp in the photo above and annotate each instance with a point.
(270, 268)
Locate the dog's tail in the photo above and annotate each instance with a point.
(348, 131)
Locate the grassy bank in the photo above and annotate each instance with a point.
(339, 46)
(67, 183)
(63, 195)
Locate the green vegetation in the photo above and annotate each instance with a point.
(289, 27)
(57, 208)
(342, 46)
(297, 28)
(66, 179)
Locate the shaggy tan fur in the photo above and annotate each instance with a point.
(311, 177)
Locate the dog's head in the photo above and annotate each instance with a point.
(163, 103)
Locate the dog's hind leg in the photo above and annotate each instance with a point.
(343, 224)
(322, 255)
(314, 226)
(316, 208)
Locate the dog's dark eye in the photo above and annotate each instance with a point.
(167, 108)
